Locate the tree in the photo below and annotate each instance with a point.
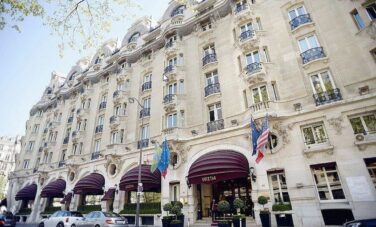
(80, 24)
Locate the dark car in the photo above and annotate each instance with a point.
(361, 223)
(7, 220)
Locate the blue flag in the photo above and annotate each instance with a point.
(164, 160)
(255, 135)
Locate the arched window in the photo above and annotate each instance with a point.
(178, 10)
(134, 37)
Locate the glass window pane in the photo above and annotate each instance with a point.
(319, 133)
(370, 121)
(301, 10)
(308, 136)
(292, 14)
(316, 84)
(312, 41)
(303, 45)
(326, 81)
(357, 125)
(256, 95)
(256, 56)
(264, 94)
(219, 114)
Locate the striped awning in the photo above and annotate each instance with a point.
(218, 166)
(27, 193)
(54, 189)
(109, 194)
(90, 185)
(150, 181)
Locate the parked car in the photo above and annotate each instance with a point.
(361, 223)
(7, 220)
(61, 218)
(102, 219)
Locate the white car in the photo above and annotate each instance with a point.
(61, 218)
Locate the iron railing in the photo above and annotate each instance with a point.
(145, 112)
(99, 129)
(168, 98)
(240, 8)
(146, 86)
(212, 89)
(312, 54)
(209, 58)
(215, 125)
(246, 34)
(327, 96)
(142, 143)
(253, 67)
(299, 20)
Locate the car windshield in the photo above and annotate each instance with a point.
(76, 214)
(111, 215)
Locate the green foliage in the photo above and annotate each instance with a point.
(145, 208)
(24, 211)
(238, 203)
(50, 210)
(89, 208)
(241, 216)
(264, 212)
(262, 200)
(281, 207)
(177, 203)
(167, 217)
(224, 206)
(176, 210)
(167, 207)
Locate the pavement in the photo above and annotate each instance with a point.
(27, 225)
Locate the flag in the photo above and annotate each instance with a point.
(164, 160)
(156, 157)
(255, 135)
(262, 139)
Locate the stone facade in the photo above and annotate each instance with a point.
(207, 69)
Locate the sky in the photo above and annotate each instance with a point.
(28, 58)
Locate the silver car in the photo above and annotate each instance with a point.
(101, 219)
(61, 218)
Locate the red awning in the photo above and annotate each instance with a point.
(67, 198)
(90, 185)
(150, 181)
(109, 194)
(54, 189)
(27, 193)
(218, 166)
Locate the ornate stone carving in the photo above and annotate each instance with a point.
(282, 131)
(113, 159)
(336, 123)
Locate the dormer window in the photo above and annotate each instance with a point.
(99, 59)
(72, 76)
(178, 11)
(134, 37)
(206, 25)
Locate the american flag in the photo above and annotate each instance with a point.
(263, 139)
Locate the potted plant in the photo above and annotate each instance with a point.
(264, 213)
(236, 219)
(224, 223)
(238, 204)
(167, 219)
(224, 207)
(282, 217)
(176, 209)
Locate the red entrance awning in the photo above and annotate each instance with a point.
(67, 198)
(27, 193)
(150, 181)
(218, 166)
(109, 194)
(90, 185)
(54, 189)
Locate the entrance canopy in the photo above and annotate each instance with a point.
(54, 189)
(90, 185)
(218, 166)
(27, 193)
(150, 181)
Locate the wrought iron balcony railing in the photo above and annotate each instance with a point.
(209, 58)
(99, 129)
(212, 89)
(146, 86)
(145, 112)
(327, 96)
(113, 119)
(299, 20)
(169, 69)
(312, 54)
(102, 105)
(253, 67)
(168, 98)
(215, 125)
(246, 34)
(142, 143)
(240, 8)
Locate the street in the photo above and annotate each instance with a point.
(26, 225)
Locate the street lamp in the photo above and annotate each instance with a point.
(139, 184)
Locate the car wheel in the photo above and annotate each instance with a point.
(41, 224)
(97, 226)
(73, 225)
(60, 225)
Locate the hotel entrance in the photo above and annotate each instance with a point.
(221, 175)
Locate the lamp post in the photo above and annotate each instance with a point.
(139, 184)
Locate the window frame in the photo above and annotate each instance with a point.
(252, 56)
(364, 125)
(216, 110)
(311, 126)
(172, 120)
(306, 40)
(280, 190)
(320, 75)
(260, 94)
(358, 20)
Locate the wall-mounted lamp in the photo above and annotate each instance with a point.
(252, 172)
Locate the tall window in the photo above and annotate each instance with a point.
(80, 148)
(327, 181)
(358, 19)
(97, 145)
(212, 78)
(174, 191)
(371, 167)
(146, 102)
(298, 11)
(371, 11)
(144, 132)
(314, 134)
(260, 94)
(30, 146)
(172, 88)
(246, 27)
(172, 61)
(209, 50)
(171, 120)
(215, 112)
(104, 98)
(364, 124)
(100, 120)
(75, 149)
(307, 43)
(147, 78)
(279, 187)
(35, 128)
(63, 155)
(322, 82)
(252, 57)
(206, 25)
(114, 137)
(117, 110)
(26, 163)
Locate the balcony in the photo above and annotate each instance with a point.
(66, 140)
(146, 86)
(61, 164)
(95, 155)
(70, 119)
(177, 12)
(169, 44)
(102, 105)
(246, 35)
(142, 143)
(45, 130)
(169, 98)
(118, 95)
(169, 69)
(215, 125)
(145, 112)
(260, 106)
(99, 129)
(312, 54)
(327, 97)
(300, 20)
(212, 89)
(209, 58)
(240, 8)
(253, 68)
(114, 121)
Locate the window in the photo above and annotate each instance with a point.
(114, 137)
(322, 82)
(26, 163)
(364, 124)
(145, 132)
(181, 86)
(35, 128)
(63, 155)
(307, 43)
(49, 157)
(174, 192)
(212, 78)
(215, 112)
(314, 134)
(171, 120)
(371, 11)
(209, 50)
(206, 25)
(260, 94)
(172, 88)
(80, 148)
(134, 37)
(30, 145)
(172, 61)
(74, 149)
(147, 78)
(275, 91)
(266, 54)
(293, 13)
(93, 200)
(97, 145)
(104, 98)
(357, 19)
(371, 167)
(246, 27)
(100, 120)
(146, 102)
(253, 57)
(327, 181)
(279, 187)
(146, 197)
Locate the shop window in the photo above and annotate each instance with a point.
(337, 216)
(146, 197)
(93, 199)
(371, 167)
